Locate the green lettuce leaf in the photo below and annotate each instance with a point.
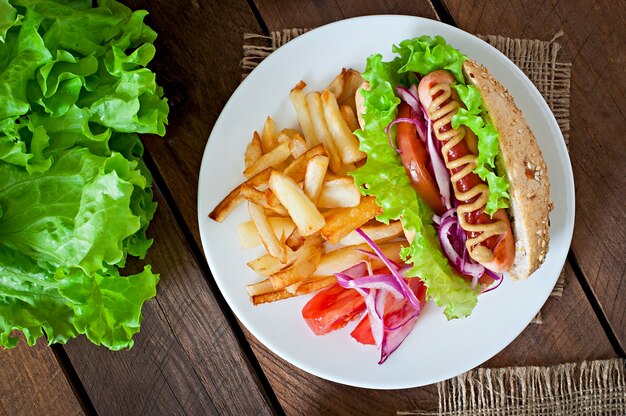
(384, 177)
(76, 220)
(426, 54)
(75, 197)
(60, 304)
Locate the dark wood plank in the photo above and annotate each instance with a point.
(33, 383)
(594, 42)
(287, 14)
(186, 359)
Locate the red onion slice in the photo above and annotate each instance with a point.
(409, 97)
(408, 294)
(495, 276)
(449, 228)
(376, 281)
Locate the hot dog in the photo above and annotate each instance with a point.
(450, 155)
(490, 240)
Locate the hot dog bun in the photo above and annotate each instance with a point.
(523, 164)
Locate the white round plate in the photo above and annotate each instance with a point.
(437, 349)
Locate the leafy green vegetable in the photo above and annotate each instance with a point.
(384, 177)
(426, 54)
(75, 197)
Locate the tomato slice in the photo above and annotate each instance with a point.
(332, 309)
(415, 160)
(362, 333)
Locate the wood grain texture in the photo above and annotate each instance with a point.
(186, 359)
(594, 43)
(286, 14)
(33, 383)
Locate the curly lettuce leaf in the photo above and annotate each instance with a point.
(75, 221)
(61, 304)
(384, 177)
(75, 196)
(62, 58)
(426, 54)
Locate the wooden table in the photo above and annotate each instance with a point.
(193, 357)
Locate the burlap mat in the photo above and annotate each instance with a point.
(590, 388)
(536, 58)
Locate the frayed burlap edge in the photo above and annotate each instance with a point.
(536, 58)
(258, 47)
(589, 388)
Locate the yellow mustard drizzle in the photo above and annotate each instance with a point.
(451, 138)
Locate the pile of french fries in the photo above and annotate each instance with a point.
(304, 207)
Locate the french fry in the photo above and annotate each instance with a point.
(297, 169)
(295, 240)
(291, 133)
(299, 103)
(267, 265)
(263, 199)
(249, 236)
(378, 232)
(352, 81)
(339, 193)
(276, 156)
(282, 137)
(300, 270)
(349, 117)
(344, 220)
(314, 177)
(297, 146)
(234, 198)
(268, 136)
(253, 150)
(337, 84)
(314, 101)
(260, 288)
(338, 260)
(266, 233)
(303, 212)
(298, 289)
(347, 143)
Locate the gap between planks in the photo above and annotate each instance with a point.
(73, 379)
